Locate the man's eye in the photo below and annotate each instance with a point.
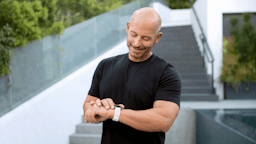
(133, 36)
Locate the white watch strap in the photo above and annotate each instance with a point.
(117, 114)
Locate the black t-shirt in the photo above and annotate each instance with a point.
(136, 85)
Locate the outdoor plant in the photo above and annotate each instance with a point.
(26, 21)
(6, 45)
(179, 4)
(239, 54)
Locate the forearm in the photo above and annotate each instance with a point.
(143, 120)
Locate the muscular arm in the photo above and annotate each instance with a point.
(157, 119)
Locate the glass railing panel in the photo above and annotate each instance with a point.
(145, 3)
(126, 13)
(107, 35)
(34, 68)
(79, 47)
(4, 95)
(162, 2)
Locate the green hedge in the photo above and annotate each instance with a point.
(179, 4)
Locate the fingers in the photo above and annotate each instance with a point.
(121, 106)
(108, 103)
(89, 114)
(92, 103)
(87, 119)
(98, 102)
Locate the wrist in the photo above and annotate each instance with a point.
(111, 113)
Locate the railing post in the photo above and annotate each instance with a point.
(212, 78)
(119, 27)
(95, 34)
(10, 88)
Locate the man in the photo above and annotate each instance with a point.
(145, 85)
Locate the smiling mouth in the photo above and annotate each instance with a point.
(137, 49)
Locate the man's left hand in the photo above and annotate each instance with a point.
(96, 114)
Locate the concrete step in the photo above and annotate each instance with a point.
(196, 89)
(167, 44)
(88, 128)
(193, 76)
(195, 83)
(189, 69)
(185, 63)
(184, 43)
(85, 139)
(178, 29)
(183, 54)
(179, 58)
(198, 97)
(180, 54)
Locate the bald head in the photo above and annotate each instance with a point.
(151, 15)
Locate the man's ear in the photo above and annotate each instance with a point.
(158, 37)
(127, 27)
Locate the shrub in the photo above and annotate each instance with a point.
(24, 22)
(23, 19)
(179, 4)
(239, 54)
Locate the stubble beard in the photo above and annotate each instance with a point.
(137, 56)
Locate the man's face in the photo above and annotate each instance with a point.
(141, 37)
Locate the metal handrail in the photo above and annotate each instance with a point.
(204, 41)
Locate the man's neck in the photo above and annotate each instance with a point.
(141, 60)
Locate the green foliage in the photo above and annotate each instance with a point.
(239, 53)
(179, 4)
(28, 21)
(31, 20)
(23, 21)
(6, 45)
(71, 12)
(57, 27)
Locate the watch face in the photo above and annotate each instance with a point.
(118, 106)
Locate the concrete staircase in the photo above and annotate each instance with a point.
(178, 46)
(86, 133)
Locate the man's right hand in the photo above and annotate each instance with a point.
(107, 103)
(90, 116)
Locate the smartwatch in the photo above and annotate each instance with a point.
(117, 113)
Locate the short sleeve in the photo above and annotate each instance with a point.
(169, 88)
(94, 90)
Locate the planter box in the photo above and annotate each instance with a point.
(230, 93)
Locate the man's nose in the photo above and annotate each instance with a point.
(137, 43)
